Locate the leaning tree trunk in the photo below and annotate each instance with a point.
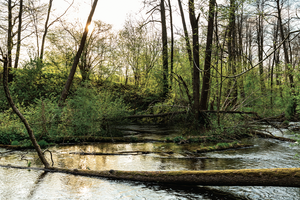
(15, 109)
(77, 57)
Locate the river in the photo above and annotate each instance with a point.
(25, 184)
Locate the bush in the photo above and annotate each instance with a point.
(14, 143)
(86, 113)
(92, 112)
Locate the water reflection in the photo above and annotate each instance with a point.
(23, 184)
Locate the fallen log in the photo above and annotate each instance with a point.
(102, 154)
(184, 112)
(213, 148)
(155, 115)
(13, 147)
(283, 177)
(264, 135)
(146, 152)
(74, 140)
(124, 153)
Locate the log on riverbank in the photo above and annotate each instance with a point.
(284, 177)
(12, 147)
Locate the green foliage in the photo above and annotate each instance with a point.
(178, 139)
(15, 143)
(26, 143)
(43, 143)
(222, 145)
(87, 112)
(133, 139)
(11, 128)
(168, 139)
(34, 81)
(90, 112)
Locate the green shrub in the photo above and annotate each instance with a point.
(14, 143)
(91, 112)
(43, 143)
(178, 139)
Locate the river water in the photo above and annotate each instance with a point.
(24, 184)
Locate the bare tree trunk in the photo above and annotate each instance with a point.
(15, 109)
(196, 75)
(287, 60)
(172, 43)
(9, 40)
(208, 51)
(164, 48)
(232, 86)
(260, 42)
(77, 57)
(19, 35)
(275, 60)
(46, 30)
(186, 34)
(241, 59)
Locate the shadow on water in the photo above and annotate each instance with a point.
(190, 192)
(37, 184)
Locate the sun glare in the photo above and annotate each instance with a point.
(91, 27)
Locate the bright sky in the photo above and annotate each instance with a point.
(109, 11)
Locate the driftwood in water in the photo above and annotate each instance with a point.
(264, 135)
(284, 177)
(155, 115)
(210, 149)
(74, 140)
(183, 112)
(102, 154)
(146, 152)
(124, 153)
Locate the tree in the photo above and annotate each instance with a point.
(164, 48)
(172, 42)
(288, 66)
(95, 50)
(47, 26)
(186, 35)
(232, 86)
(15, 109)
(260, 41)
(77, 57)
(196, 56)
(142, 48)
(208, 51)
(18, 50)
